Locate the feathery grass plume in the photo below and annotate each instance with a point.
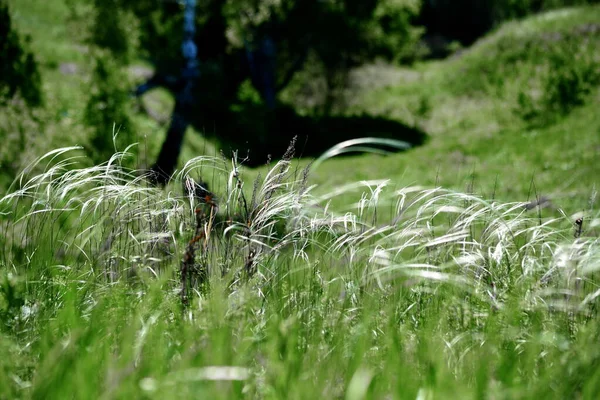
(92, 271)
(435, 235)
(368, 144)
(108, 221)
(249, 232)
(103, 218)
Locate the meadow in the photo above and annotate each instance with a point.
(463, 268)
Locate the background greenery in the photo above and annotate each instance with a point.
(454, 269)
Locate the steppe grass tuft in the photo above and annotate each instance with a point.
(409, 292)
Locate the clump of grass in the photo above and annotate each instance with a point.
(407, 292)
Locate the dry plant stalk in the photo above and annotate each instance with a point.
(205, 211)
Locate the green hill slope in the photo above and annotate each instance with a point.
(472, 107)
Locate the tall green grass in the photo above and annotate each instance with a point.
(408, 292)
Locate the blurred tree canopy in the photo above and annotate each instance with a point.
(248, 53)
(271, 40)
(233, 37)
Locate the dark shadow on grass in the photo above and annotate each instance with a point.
(259, 134)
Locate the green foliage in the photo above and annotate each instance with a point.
(571, 75)
(113, 29)
(20, 97)
(112, 33)
(11, 299)
(19, 72)
(105, 25)
(107, 110)
(20, 134)
(553, 68)
(342, 35)
(358, 32)
(381, 30)
(393, 28)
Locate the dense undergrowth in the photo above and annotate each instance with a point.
(410, 293)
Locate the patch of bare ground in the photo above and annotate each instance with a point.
(381, 75)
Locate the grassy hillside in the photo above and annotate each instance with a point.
(425, 274)
(469, 105)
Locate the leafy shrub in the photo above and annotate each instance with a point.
(113, 29)
(570, 75)
(20, 135)
(103, 24)
(552, 69)
(569, 81)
